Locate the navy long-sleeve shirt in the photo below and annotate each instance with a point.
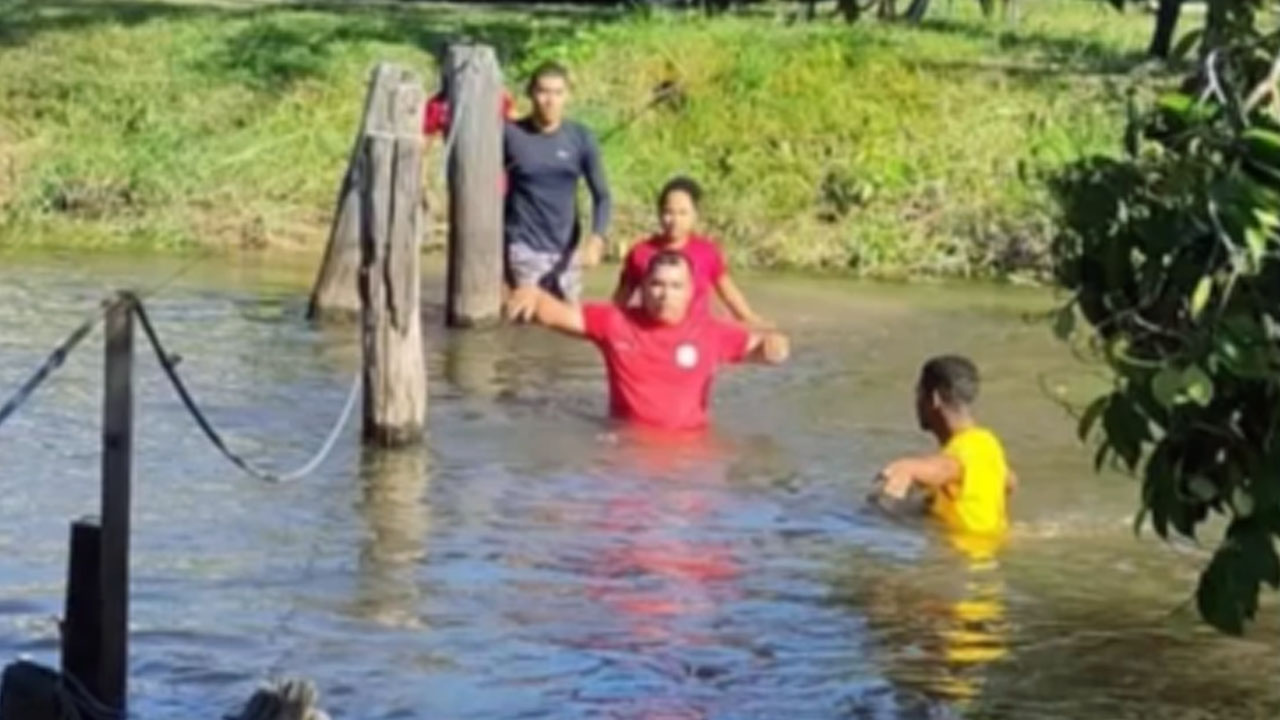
(543, 171)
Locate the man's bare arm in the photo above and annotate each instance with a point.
(529, 303)
(769, 347)
(931, 471)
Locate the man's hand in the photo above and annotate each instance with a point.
(591, 252)
(530, 303)
(775, 348)
(522, 303)
(894, 481)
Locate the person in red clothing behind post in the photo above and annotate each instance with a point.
(437, 116)
(661, 357)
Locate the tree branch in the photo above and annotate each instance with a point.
(1265, 88)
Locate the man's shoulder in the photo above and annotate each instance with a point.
(520, 128)
(977, 441)
(602, 319)
(720, 330)
(579, 132)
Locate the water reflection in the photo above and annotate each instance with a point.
(393, 488)
(939, 623)
(663, 588)
(472, 361)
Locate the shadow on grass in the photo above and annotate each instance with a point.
(275, 49)
(1077, 54)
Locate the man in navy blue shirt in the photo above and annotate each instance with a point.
(545, 155)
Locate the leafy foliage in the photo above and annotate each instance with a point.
(1172, 256)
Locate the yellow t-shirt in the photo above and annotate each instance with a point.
(977, 503)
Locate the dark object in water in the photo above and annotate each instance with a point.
(290, 699)
(914, 505)
(33, 692)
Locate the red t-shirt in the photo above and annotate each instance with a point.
(435, 116)
(705, 261)
(435, 120)
(661, 375)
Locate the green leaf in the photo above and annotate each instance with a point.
(1126, 429)
(1255, 240)
(1166, 386)
(1064, 322)
(1263, 144)
(1197, 386)
(1245, 349)
(1100, 457)
(1175, 102)
(1242, 502)
(1200, 296)
(1171, 387)
(1229, 587)
(1159, 493)
(1220, 596)
(1202, 489)
(1140, 519)
(1090, 417)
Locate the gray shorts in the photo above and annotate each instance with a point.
(555, 272)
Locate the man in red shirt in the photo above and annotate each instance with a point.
(660, 357)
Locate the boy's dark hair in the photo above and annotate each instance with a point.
(666, 258)
(953, 377)
(684, 184)
(548, 69)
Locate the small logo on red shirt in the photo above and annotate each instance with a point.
(686, 356)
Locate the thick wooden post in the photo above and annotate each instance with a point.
(395, 371)
(336, 295)
(475, 198)
(117, 459)
(82, 616)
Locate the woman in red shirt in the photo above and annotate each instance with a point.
(678, 214)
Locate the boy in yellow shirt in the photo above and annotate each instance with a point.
(968, 481)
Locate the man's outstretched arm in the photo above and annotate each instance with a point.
(529, 303)
(768, 347)
(935, 471)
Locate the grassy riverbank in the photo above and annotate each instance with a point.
(884, 150)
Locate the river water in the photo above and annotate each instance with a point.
(531, 561)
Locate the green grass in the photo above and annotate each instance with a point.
(880, 149)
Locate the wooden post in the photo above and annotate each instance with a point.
(475, 200)
(395, 371)
(82, 618)
(117, 458)
(336, 295)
